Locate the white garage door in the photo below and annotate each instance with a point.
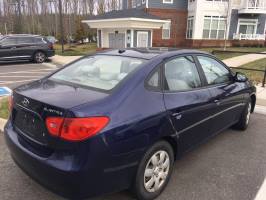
(116, 40)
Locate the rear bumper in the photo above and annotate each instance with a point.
(50, 53)
(64, 176)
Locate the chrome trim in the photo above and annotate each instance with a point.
(208, 118)
(15, 57)
(30, 111)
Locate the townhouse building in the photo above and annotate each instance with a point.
(181, 23)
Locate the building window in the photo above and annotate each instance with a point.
(247, 26)
(166, 31)
(214, 27)
(134, 3)
(190, 24)
(167, 1)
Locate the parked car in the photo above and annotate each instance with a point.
(25, 47)
(120, 118)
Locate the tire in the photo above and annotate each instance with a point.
(39, 57)
(243, 122)
(157, 164)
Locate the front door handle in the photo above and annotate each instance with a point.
(177, 115)
(217, 101)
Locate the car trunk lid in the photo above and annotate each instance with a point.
(34, 102)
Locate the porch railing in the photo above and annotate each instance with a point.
(241, 36)
(254, 4)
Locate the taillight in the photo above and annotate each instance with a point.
(51, 46)
(75, 129)
(54, 125)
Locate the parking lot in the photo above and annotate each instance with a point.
(13, 74)
(231, 166)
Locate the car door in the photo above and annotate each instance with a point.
(227, 96)
(25, 46)
(186, 101)
(8, 48)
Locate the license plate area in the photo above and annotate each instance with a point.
(29, 124)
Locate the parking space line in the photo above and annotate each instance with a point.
(261, 195)
(19, 76)
(50, 65)
(30, 71)
(10, 82)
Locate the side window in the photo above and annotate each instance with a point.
(38, 40)
(181, 74)
(9, 41)
(214, 71)
(25, 40)
(154, 80)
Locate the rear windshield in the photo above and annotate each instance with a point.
(100, 71)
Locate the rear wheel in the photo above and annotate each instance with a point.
(243, 122)
(154, 171)
(39, 57)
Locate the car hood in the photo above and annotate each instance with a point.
(59, 94)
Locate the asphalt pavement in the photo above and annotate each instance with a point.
(230, 166)
(13, 74)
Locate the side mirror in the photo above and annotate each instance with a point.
(240, 77)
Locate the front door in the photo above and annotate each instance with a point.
(142, 39)
(227, 99)
(187, 102)
(116, 40)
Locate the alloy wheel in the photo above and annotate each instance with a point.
(156, 171)
(39, 57)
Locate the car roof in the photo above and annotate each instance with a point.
(149, 53)
(22, 35)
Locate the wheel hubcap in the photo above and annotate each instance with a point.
(40, 57)
(248, 114)
(156, 171)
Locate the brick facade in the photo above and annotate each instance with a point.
(178, 27)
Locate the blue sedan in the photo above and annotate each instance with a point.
(120, 118)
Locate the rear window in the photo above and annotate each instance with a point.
(100, 72)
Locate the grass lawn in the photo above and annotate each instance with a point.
(4, 108)
(256, 77)
(223, 56)
(76, 49)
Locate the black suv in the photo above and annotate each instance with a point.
(25, 47)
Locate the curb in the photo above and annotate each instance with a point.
(258, 109)
(2, 124)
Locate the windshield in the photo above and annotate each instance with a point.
(100, 71)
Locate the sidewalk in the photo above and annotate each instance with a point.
(261, 95)
(242, 60)
(63, 60)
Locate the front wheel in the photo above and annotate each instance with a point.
(154, 171)
(243, 122)
(39, 57)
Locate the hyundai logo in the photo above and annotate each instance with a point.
(25, 102)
